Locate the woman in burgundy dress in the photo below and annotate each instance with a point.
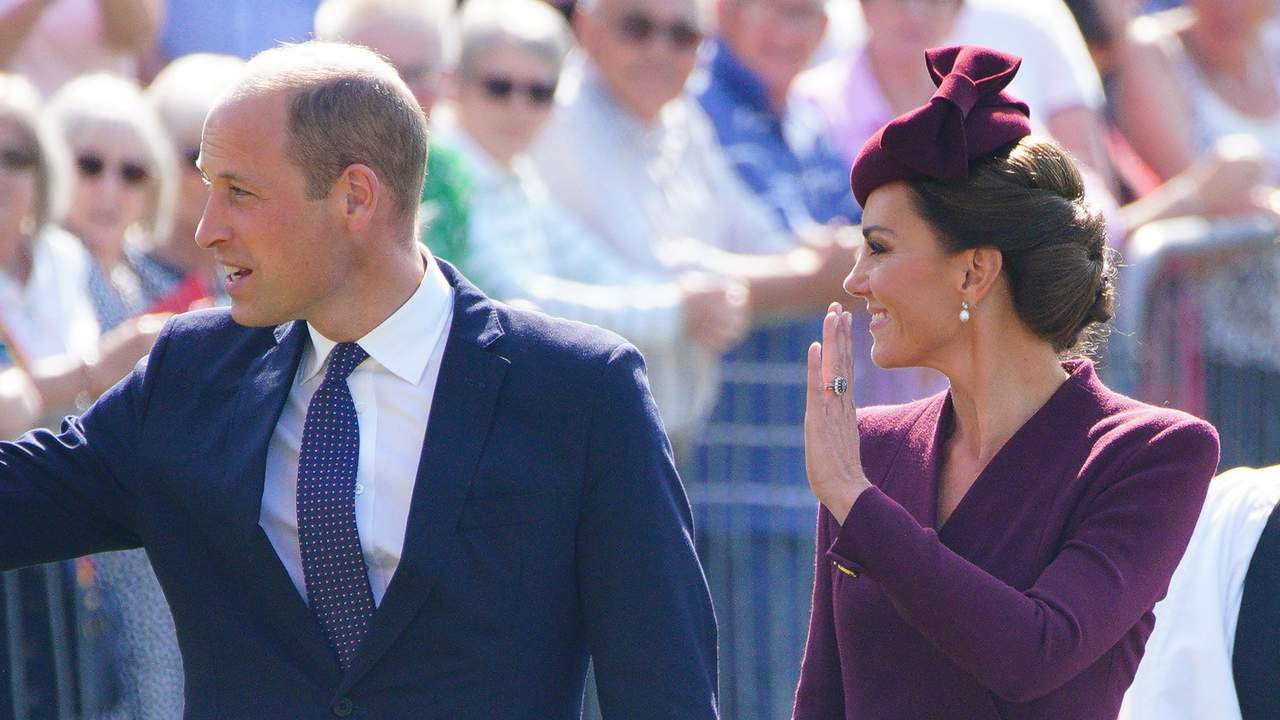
(993, 551)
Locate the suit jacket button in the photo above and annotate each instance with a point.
(343, 707)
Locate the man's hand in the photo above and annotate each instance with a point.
(716, 310)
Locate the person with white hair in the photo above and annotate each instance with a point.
(182, 95)
(414, 36)
(523, 245)
(124, 190)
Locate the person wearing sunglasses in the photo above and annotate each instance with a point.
(412, 35)
(124, 190)
(522, 245)
(635, 158)
(182, 94)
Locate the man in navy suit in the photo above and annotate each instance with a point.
(368, 490)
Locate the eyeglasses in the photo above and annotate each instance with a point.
(92, 166)
(18, 159)
(640, 29)
(500, 87)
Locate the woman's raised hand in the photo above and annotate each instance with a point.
(832, 450)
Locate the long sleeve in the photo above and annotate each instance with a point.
(820, 694)
(69, 494)
(1112, 566)
(645, 604)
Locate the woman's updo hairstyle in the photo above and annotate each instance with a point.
(981, 180)
(1028, 201)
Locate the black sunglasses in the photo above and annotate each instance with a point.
(640, 29)
(92, 166)
(501, 88)
(16, 159)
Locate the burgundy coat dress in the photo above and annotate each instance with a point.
(1034, 599)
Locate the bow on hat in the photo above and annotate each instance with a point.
(969, 116)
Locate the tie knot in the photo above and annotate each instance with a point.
(343, 359)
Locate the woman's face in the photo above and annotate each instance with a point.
(18, 187)
(113, 186)
(504, 101)
(910, 284)
(905, 28)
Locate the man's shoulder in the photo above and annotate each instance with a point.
(534, 334)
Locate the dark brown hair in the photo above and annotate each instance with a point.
(1028, 201)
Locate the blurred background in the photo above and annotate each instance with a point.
(674, 170)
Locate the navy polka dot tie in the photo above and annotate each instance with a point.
(332, 563)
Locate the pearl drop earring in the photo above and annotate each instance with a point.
(964, 311)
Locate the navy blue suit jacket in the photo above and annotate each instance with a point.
(547, 524)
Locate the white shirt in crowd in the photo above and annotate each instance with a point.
(657, 196)
(52, 313)
(523, 245)
(392, 391)
(1186, 672)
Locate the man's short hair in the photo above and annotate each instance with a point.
(531, 25)
(347, 105)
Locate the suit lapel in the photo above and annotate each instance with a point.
(228, 508)
(462, 410)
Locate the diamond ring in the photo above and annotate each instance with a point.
(839, 386)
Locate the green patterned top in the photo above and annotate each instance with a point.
(446, 202)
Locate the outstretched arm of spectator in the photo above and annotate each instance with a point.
(1153, 113)
(132, 25)
(16, 20)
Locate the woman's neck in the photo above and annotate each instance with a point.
(998, 390)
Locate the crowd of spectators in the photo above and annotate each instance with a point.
(673, 170)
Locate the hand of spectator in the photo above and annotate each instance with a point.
(833, 249)
(716, 311)
(1226, 178)
(121, 348)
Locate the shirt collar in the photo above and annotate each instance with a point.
(399, 343)
(735, 78)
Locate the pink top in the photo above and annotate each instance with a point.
(68, 40)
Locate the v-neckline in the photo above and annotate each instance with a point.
(1077, 374)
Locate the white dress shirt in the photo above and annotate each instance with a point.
(392, 392)
(1186, 672)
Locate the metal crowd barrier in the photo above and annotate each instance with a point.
(1198, 328)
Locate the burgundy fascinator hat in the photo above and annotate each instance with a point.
(968, 117)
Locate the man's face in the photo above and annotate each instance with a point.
(413, 47)
(282, 253)
(643, 49)
(775, 38)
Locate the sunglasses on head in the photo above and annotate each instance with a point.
(500, 87)
(92, 166)
(18, 159)
(640, 29)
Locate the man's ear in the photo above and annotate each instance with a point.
(360, 193)
(982, 267)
